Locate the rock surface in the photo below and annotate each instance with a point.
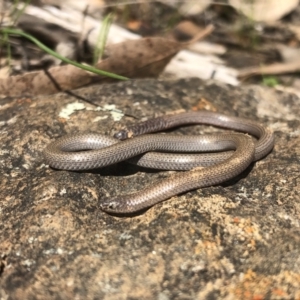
(238, 240)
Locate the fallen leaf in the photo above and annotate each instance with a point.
(146, 57)
(39, 83)
(186, 29)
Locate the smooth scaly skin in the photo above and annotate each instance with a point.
(227, 166)
(263, 146)
(58, 156)
(189, 180)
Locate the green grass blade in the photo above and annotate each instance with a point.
(64, 59)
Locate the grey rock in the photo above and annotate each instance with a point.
(232, 241)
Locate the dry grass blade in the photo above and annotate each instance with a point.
(278, 68)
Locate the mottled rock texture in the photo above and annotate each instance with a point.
(238, 240)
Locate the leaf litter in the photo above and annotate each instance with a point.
(142, 58)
